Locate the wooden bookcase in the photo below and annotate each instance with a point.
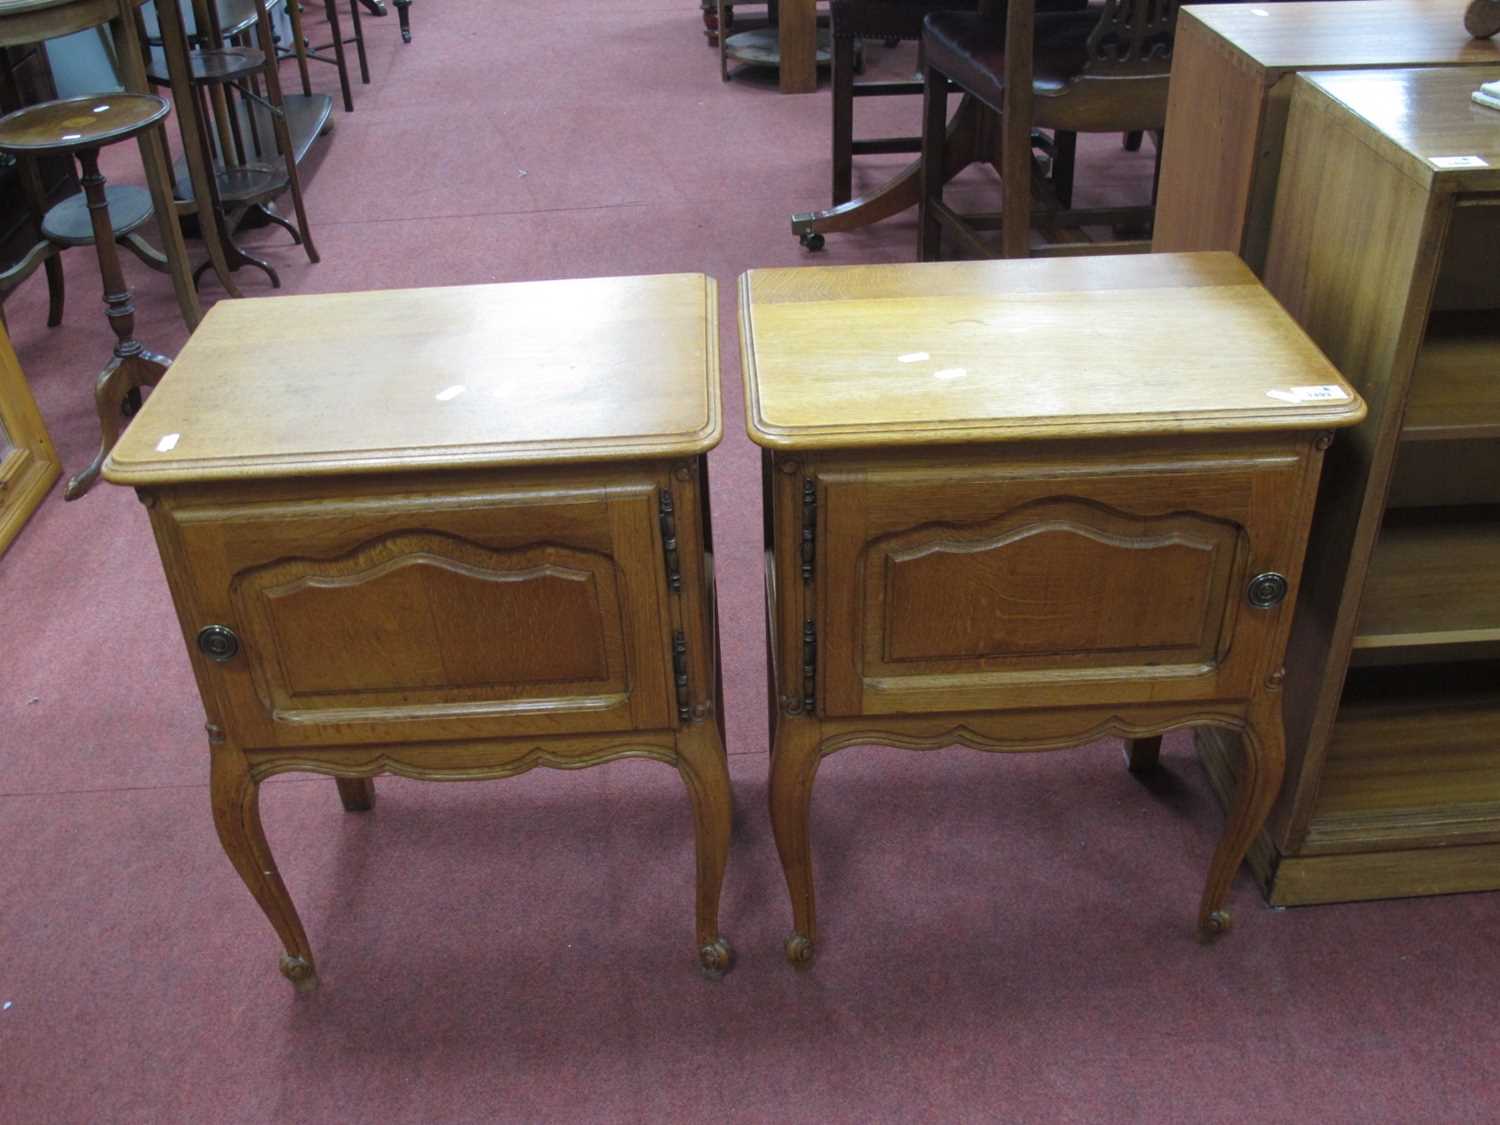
(1386, 250)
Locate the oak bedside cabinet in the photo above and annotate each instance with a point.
(447, 534)
(1024, 505)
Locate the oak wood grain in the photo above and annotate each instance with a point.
(1390, 752)
(1010, 351)
(950, 576)
(1231, 89)
(447, 589)
(535, 372)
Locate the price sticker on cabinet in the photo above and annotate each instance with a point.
(1327, 392)
(1458, 162)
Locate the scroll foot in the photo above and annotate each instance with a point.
(300, 972)
(799, 950)
(1212, 926)
(715, 959)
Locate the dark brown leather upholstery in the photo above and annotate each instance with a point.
(970, 50)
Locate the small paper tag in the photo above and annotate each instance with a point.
(1458, 162)
(1328, 392)
(167, 443)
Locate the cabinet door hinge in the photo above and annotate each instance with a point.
(679, 670)
(809, 664)
(668, 518)
(809, 527)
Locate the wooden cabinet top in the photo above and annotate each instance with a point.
(1087, 347)
(1425, 121)
(1347, 33)
(462, 377)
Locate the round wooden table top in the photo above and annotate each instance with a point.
(73, 123)
(31, 21)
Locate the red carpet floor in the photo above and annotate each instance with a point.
(1005, 938)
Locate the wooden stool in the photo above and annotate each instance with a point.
(81, 126)
(449, 534)
(1001, 516)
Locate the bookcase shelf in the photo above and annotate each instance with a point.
(1455, 391)
(1434, 582)
(1392, 688)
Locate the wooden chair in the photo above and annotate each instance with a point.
(854, 23)
(1111, 78)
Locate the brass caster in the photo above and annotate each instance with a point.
(715, 959)
(1216, 924)
(799, 950)
(300, 972)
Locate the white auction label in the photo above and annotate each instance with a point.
(1327, 392)
(1458, 162)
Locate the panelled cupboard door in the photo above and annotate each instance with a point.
(527, 609)
(982, 585)
(28, 465)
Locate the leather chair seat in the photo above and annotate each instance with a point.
(970, 50)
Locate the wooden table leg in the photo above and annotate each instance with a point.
(132, 367)
(797, 40)
(794, 765)
(236, 805)
(1264, 744)
(157, 159)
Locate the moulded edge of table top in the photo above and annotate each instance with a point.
(136, 462)
(1331, 34)
(1023, 278)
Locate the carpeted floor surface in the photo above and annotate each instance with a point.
(1004, 938)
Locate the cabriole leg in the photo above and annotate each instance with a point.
(1260, 781)
(236, 804)
(705, 771)
(794, 764)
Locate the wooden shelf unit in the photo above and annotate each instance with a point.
(1393, 672)
(1455, 393)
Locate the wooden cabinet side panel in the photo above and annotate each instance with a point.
(1212, 144)
(1353, 256)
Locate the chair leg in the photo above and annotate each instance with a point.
(1131, 141)
(1064, 162)
(934, 133)
(843, 120)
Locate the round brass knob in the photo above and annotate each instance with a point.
(218, 643)
(1267, 590)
